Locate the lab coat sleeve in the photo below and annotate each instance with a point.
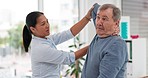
(61, 36)
(50, 55)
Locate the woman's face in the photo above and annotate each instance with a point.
(42, 27)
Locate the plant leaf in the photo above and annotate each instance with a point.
(82, 58)
(67, 72)
(77, 74)
(73, 72)
(71, 46)
(80, 63)
(81, 44)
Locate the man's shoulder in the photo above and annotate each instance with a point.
(118, 40)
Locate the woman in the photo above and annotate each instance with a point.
(45, 58)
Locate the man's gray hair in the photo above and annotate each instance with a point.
(116, 11)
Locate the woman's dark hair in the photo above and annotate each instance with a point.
(31, 21)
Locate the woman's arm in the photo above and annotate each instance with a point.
(75, 29)
(81, 52)
(44, 53)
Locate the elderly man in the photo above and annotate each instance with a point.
(107, 54)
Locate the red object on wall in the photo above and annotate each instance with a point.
(134, 36)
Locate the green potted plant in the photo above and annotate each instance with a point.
(76, 68)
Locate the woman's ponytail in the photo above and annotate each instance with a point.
(26, 37)
(31, 21)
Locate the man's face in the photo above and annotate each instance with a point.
(105, 25)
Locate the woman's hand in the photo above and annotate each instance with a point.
(88, 15)
(81, 52)
(117, 30)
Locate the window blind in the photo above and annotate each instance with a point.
(138, 12)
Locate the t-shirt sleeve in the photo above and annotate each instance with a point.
(113, 60)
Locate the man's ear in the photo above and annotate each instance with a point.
(32, 29)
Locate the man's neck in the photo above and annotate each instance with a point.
(104, 36)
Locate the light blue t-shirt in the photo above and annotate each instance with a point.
(107, 58)
(46, 60)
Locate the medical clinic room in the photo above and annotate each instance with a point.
(73, 38)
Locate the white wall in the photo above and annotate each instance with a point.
(139, 57)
